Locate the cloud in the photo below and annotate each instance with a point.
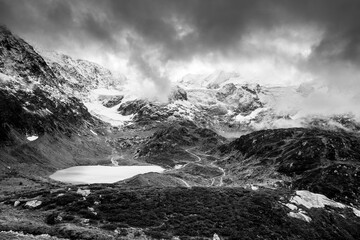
(143, 59)
(221, 33)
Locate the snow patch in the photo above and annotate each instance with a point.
(32, 138)
(251, 116)
(178, 166)
(109, 115)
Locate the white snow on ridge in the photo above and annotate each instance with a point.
(203, 80)
(252, 115)
(109, 115)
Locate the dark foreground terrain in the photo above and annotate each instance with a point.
(113, 212)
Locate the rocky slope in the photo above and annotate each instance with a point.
(80, 76)
(42, 127)
(283, 183)
(314, 159)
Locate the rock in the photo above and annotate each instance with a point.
(243, 98)
(313, 200)
(131, 107)
(226, 91)
(84, 193)
(112, 101)
(300, 215)
(33, 203)
(92, 210)
(218, 109)
(291, 206)
(16, 203)
(216, 237)
(178, 94)
(80, 76)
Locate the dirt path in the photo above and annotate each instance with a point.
(188, 151)
(221, 183)
(186, 184)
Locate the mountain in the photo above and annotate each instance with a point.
(234, 167)
(213, 80)
(80, 76)
(42, 127)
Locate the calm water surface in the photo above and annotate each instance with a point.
(101, 174)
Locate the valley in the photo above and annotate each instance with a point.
(220, 159)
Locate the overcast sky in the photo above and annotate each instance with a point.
(269, 41)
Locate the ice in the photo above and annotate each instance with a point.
(252, 115)
(109, 115)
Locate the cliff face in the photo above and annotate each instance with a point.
(80, 76)
(34, 106)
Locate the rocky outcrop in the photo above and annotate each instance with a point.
(111, 101)
(312, 159)
(241, 98)
(37, 112)
(131, 107)
(43, 126)
(33, 203)
(177, 93)
(80, 76)
(83, 192)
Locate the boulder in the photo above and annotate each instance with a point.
(84, 193)
(33, 203)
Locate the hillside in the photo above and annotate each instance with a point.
(231, 168)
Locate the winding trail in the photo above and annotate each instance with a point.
(186, 184)
(221, 183)
(188, 151)
(198, 160)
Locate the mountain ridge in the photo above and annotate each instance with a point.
(281, 183)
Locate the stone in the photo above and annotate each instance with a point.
(33, 203)
(216, 237)
(84, 193)
(16, 203)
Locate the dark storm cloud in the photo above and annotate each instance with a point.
(340, 19)
(183, 29)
